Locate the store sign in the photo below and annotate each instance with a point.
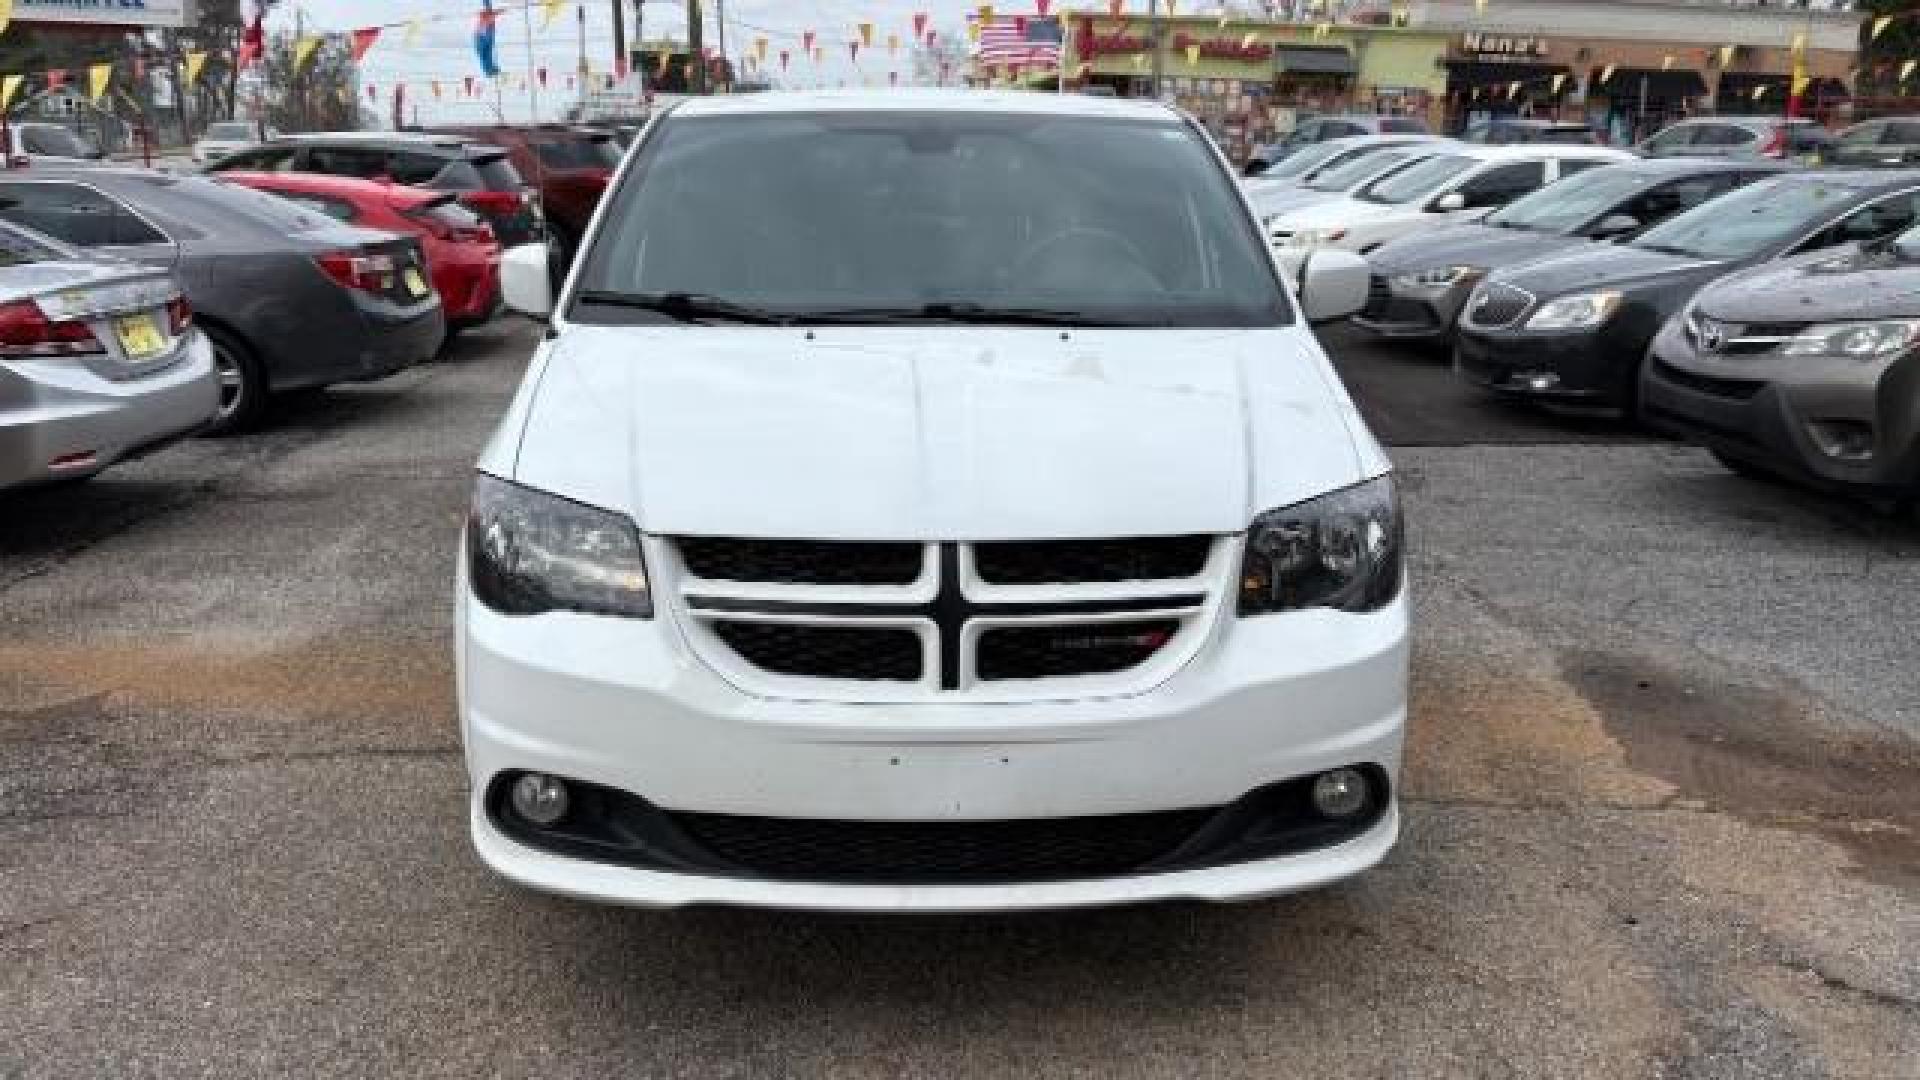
(1222, 48)
(105, 12)
(1105, 44)
(1499, 45)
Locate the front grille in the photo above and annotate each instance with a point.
(1047, 652)
(937, 851)
(863, 653)
(1071, 562)
(1497, 305)
(800, 562)
(1737, 389)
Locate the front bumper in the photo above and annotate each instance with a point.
(58, 408)
(623, 704)
(1402, 314)
(1763, 409)
(1577, 366)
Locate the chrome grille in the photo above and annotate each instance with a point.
(1496, 305)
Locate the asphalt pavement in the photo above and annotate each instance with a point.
(1663, 799)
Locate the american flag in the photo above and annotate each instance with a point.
(1028, 42)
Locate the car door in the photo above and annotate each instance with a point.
(85, 217)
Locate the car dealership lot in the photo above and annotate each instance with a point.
(1663, 798)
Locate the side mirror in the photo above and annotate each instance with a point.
(1614, 225)
(1450, 203)
(1333, 285)
(525, 281)
(1907, 245)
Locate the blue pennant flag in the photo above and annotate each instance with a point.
(483, 39)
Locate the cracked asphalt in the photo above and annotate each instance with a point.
(1663, 799)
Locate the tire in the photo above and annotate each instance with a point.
(243, 383)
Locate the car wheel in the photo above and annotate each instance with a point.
(243, 385)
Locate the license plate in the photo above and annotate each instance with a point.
(140, 337)
(416, 283)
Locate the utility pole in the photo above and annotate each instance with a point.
(619, 36)
(533, 82)
(1153, 20)
(720, 16)
(696, 62)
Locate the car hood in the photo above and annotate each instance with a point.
(1825, 286)
(1468, 245)
(1606, 266)
(939, 432)
(1344, 210)
(1282, 200)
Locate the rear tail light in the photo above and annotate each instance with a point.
(495, 202)
(366, 273)
(1776, 144)
(179, 315)
(25, 330)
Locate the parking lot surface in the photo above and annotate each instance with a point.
(1663, 798)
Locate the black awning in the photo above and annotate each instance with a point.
(1472, 74)
(1661, 85)
(1310, 60)
(1744, 83)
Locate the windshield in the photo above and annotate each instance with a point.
(234, 130)
(1346, 176)
(893, 214)
(1306, 160)
(1570, 204)
(1418, 180)
(1747, 221)
(55, 141)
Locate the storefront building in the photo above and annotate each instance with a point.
(1248, 81)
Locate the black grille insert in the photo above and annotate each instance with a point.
(1048, 652)
(863, 653)
(1071, 562)
(1499, 305)
(801, 562)
(1736, 389)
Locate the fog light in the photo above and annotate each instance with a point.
(1541, 381)
(1341, 793)
(1848, 440)
(541, 799)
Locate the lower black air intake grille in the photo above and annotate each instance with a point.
(866, 653)
(1047, 652)
(800, 562)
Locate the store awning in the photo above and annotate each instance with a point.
(1661, 84)
(1471, 74)
(1311, 60)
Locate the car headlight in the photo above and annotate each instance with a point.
(1438, 277)
(529, 552)
(1341, 550)
(1860, 340)
(1576, 312)
(1310, 237)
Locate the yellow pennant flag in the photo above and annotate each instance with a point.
(819, 53)
(760, 49)
(1139, 61)
(1559, 81)
(1169, 9)
(1193, 56)
(1666, 62)
(666, 59)
(1906, 69)
(303, 51)
(1880, 26)
(6, 14)
(1799, 43)
(1513, 89)
(413, 33)
(195, 62)
(973, 31)
(1800, 84)
(1480, 6)
(986, 15)
(98, 76)
(1223, 16)
(866, 35)
(549, 9)
(1759, 92)
(1726, 55)
(9, 86)
(1606, 74)
(1248, 41)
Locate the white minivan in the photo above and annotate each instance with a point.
(930, 501)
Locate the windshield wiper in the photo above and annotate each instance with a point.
(1669, 249)
(968, 313)
(686, 307)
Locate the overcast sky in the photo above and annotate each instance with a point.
(444, 49)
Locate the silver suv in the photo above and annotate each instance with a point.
(1775, 137)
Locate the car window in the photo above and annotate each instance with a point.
(1749, 221)
(80, 215)
(1477, 133)
(365, 162)
(1342, 129)
(1314, 157)
(572, 154)
(1418, 180)
(1565, 136)
(338, 209)
(497, 172)
(18, 247)
(1403, 124)
(1875, 221)
(1124, 220)
(229, 130)
(1804, 138)
(1574, 166)
(1902, 133)
(1864, 134)
(1665, 200)
(1364, 167)
(53, 140)
(408, 167)
(1673, 140)
(1502, 184)
(1573, 203)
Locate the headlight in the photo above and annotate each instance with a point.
(1341, 550)
(1860, 340)
(530, 552)
(1438, 277)
(1576, 312)
(1310, 237)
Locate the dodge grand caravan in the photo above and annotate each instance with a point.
(930, 501)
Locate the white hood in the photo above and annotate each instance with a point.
(940, 432)
(1335, 213)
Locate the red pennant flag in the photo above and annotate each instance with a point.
(569, 82)
(609, 80)
(619, 68)
(253, 41)
(541, 74)
(931, 36)
(363, 40)
(1115, 7)
(806, 42)
(56, 78)
(1041, 6)
(919, 23)
(1020, 25)
(467, 82)
(853, 51)
(1013, 72)
(785, 57)
(946, 69)
(373, 94)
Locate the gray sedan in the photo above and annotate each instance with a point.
(288, 298)
(99, 362)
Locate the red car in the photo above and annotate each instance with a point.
(570, 166)
(463, 258)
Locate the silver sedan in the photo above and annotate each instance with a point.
(99, 362)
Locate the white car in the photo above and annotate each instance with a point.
(1300, 167)
(899, 514)
(1462, 183)
(227, 137)
(1331, 185)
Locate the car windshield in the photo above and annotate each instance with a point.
(231, 130)
(1344, 176)
(1307, 160)
(1748, 221)
(1572, 203)
(1418, 180)
(56, 141)
(886, 216)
